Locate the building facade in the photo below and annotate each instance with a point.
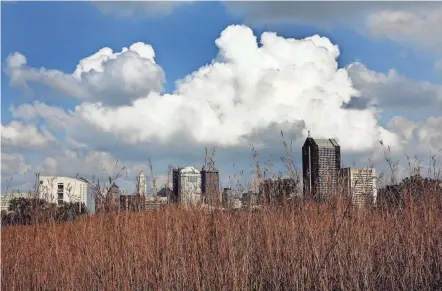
(210, 186)
(6, 198)
(186, 186)
(173, 198)
(277, 190)
(321, 161)
(359, 184)
(56, 189)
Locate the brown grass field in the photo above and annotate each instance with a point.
(301, 246)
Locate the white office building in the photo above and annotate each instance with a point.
(57, 190)
(189, 186)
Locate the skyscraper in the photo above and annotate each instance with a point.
(321, 161)
(141, 184)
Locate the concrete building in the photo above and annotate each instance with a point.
(359, 184)
(189, 186)
(321, 161)
(277, 190)
(210, 186)
(141, 184)
(56, 189)
(6, 198)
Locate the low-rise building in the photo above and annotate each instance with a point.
(277, 190)
(359, 184)
(6, 198)
(58, 190)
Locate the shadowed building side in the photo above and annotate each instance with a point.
(321, 161)
(276, 190)
(210, 186)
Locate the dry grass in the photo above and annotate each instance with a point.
(296, 247)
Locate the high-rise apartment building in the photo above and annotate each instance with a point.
(359, 185)
(321, 161)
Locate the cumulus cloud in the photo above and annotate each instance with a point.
(410, 23)
(112, 78)
(20, 135)
(248, 88)
(393, 90)
(252, 90)
(423, 137)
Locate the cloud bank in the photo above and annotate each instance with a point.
(113, 78)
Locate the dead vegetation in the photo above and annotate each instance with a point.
(299, 245)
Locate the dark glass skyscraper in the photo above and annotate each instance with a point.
(321, 161)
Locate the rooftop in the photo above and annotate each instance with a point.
(329, 143)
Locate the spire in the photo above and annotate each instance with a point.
(309, 133)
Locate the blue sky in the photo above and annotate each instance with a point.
(57, 35)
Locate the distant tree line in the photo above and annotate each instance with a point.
(28, 211)
(413, 189)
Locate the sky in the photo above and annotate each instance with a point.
(99, 88)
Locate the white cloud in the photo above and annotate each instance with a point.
(246, 95)
(285, 80)
(13, 164)
(420, 26)
(112, 78)
(139, 8)
(393, 90)
(424, 137)
(20, 135)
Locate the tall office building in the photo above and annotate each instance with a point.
(210, 186)
(321, 161)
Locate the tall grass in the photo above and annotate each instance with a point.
(299, 245)
(296, 246)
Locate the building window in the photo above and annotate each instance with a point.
(41, 182)
(192, 179)
(60, 192)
